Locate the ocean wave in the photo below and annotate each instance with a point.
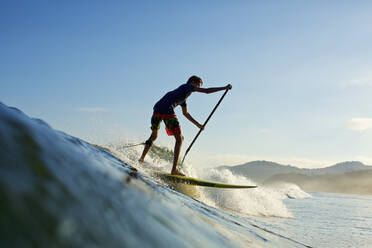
(60, 191)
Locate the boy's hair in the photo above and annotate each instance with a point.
(194, 79)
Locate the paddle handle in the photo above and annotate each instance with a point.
(205, 123)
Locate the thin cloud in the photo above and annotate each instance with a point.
(360, 124)
(264, 130)
(91, 109)
(365, 80)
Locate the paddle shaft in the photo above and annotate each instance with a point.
(205, 123)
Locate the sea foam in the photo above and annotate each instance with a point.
(266, 200)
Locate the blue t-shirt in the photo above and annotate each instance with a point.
(173, 98)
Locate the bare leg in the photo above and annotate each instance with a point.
(152, 138)
(177, 150)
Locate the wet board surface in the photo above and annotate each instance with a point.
(198, 182)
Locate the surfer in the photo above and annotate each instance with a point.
(164, 111)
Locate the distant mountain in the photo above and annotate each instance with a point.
(342, 168)
(346, 177)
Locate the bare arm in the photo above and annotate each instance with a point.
(212, 90)
(190, 118)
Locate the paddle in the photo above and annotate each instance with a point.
(205, 123)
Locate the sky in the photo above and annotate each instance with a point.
(301, 73)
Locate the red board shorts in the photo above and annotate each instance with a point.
(172, 126)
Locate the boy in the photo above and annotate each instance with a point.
(164, 110)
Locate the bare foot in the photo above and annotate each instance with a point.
(177, 172)
(140, 161)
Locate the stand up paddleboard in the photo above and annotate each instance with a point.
(198, 182)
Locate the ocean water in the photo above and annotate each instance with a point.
(60, 191)
(328, 220)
